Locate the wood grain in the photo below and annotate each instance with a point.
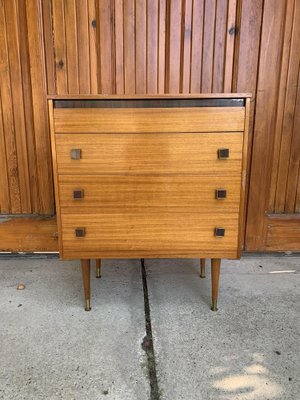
(274, 13)
(177, 193)
(40, 114)
(28, 234)
(105, 49)
(212, 119)
(283, 232)
(155, 232)
(13, 47)
(151, 46)
(71, 46)
(129, 46)
(59, 37)
(8, 119)
(196, 46)
(141, 50)
(145, 154)
(208, 46)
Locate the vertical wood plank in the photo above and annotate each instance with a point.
(269, 71)
(28, 106)
(141, 46)
(40, 111)
(48, 43)
(8, 119)
(294, 164)
(247, 36)
(174, 47)
(161, 46)
(246, 54)
(208, 46)
(281, 102)
(229, 50)
(93, 46)
(297, 124)
(219, 46)
(129, 46)
(185, 68)
(83, 46)
(105, 46)
(4, 182)
(60, 46)
(289, 110)
(196, 50)
(13, 44)
(152, 46)
(119, 46)
(71, 45)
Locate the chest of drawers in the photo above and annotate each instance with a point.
(155, 176)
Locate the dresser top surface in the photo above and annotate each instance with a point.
(158, 96)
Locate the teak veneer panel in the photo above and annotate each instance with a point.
(149, 153)
(149, 120)
(148, 194)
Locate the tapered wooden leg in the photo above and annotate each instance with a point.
(86, 276)
(215, 274)
(202, 268)
(98, 268)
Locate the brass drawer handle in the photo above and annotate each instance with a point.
(223, 154)
(80, 232)
(75, 154)
(219, 232)
(78, 194)
(221, 194)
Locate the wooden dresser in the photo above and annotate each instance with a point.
(155, 176)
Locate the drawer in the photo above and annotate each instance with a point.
(149, 120)
(159, 193)
(178, 153)
(110, 234)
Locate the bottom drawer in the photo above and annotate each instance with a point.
(148, 235)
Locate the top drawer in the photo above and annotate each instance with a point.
(149, 120)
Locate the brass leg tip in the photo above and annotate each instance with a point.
(87, 305)
(98, 273)
(202, 270)
(214, 306)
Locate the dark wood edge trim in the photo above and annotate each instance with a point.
(149, 103)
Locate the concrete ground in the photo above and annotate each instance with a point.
(50, 348)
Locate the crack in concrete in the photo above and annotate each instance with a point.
(147, 344)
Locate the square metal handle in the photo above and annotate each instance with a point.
(219, 232)
(80, 232)
(223, 154)
(78, 194)
(221, 194)
(75, 154)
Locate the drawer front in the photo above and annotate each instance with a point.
(153, 233)
(191, 193)
(157, 153)
(149, 120)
